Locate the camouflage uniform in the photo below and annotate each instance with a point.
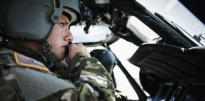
(24, 77)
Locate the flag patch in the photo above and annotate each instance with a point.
(25, 61)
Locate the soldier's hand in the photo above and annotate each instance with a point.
(74, 49)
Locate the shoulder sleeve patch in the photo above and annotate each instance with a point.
(25, 61)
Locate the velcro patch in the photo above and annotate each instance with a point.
(25, 61)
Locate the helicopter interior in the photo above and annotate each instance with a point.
(168, 58)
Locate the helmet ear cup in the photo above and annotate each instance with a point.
(27, 20)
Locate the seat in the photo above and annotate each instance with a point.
(106, 57)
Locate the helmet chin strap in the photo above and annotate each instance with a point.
(53, 63)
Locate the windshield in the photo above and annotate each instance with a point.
(177, 13)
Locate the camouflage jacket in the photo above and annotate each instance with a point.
(26, 78)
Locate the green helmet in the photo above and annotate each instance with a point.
(33, 20)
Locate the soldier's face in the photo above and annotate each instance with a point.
(60, 37)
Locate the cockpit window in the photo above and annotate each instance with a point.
(177, 13)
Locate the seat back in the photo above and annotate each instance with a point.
(106, 57)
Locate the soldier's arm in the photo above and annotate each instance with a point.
(23, 82)
(93, 79)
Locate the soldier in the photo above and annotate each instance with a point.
(36, 39)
